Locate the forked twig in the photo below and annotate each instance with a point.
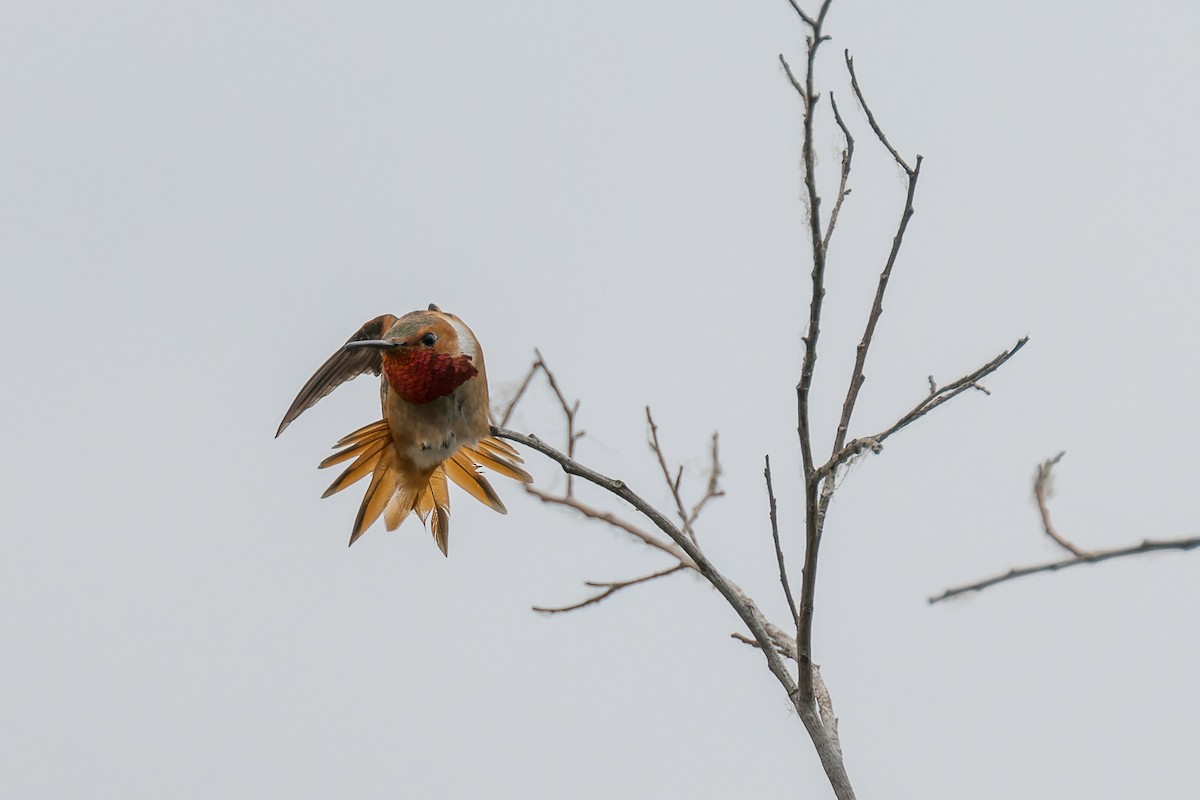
(1078, 556)
(871, 119)
(738, 600)
(609, 518)
(570, 410)
(843, 189)
(936, 398)
(712, 490)
(1094, 557)
(568, 499)
(1041, 488)
(783, 576)
(610, 588)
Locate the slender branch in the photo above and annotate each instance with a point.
(512, 404)
(824, 740)
(783, 576)
(809, 21)
(569, 411)
(673, 485)
(742, 605)
(609, 518)
(860, 358)
(1041, 488)
(610, 588)
(1094, 557)
(843, 191)
(813, 522)
(782, 642)
(936, 397)
(871, 117)
(713, 489)
(1079, 556)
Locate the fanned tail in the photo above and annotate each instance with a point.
(394, 491)
(433, 507)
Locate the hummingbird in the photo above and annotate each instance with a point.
(436, 423)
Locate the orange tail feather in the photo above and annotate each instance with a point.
(396, 490)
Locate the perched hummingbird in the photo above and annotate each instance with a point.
(435, 420)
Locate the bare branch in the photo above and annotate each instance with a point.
(787, 68)
(610, 588)
(809, 21)
(785, 645)
(1079, 556)
(936, 398)
(569, 410)
(843, 191)
(813, 522)
(742, 605)
(1094, 557)
(672, 484)
(783, 576)
(1041, 488)
(713, 489)
(766, 636)
(512, 404)
(871, 118)
(860, 358)
(609, 518)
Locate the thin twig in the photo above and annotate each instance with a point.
(927, 404)
(1094, 557)
(783, 576)
(1078, 556)
(713, 489)
(607, 517)
(1041, 488)
(843, 191)
(741, 604)
(860, 358)
(569, 410)
(871, 117)
(512, 404)
(610, 588)
(809, 21)
(824, 740)
(673, 485)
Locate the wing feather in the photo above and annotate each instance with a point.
(340, 367)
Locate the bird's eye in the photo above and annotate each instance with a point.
(429, 339)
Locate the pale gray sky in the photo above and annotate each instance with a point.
(201, 201)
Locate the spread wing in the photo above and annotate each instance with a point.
(343, 365)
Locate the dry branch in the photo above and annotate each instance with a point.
(1041, 483)
(806, 690)
(741, 603)
(783, 576)
(1041, 488)
(1094, 557)
(936, 397)
(610, 588)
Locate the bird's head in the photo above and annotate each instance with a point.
(426, 355)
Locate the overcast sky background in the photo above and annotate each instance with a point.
(200, 202)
